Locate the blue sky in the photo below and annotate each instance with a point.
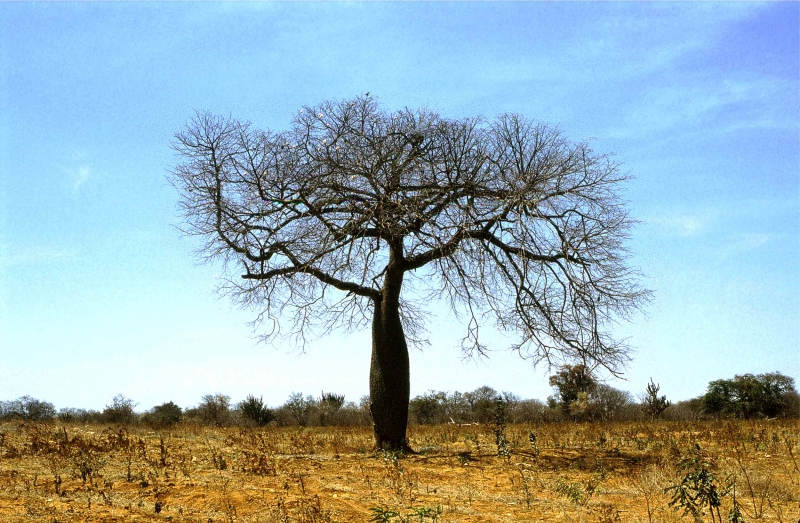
(100, 294)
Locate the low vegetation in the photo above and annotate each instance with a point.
(651, 471)
(594, 456)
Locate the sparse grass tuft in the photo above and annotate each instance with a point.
(594, 473)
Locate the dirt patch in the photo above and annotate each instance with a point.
(596, 473)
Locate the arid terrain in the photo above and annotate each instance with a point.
(557, 472)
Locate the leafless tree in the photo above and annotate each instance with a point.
(506, 221)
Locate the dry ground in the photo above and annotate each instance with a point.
(597, 473)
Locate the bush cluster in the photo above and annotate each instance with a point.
(578, 397)
(165, 415)
(752, 396)
(328, 409)
(478, 406)
(27, 408)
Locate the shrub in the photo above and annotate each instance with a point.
(72, 415)
(328, 409)
(165, 415)
(477, 406)
(120, 410)
(27, 408)
(527, 411)
(607, 403)
(301, 408)
(791, 403)
(482, 404)
(456, 407)
(352, 414)
(427, 409)
(329, 405)
(284, 417)
(214, 409)
(364, 412)
(254, 412)
(687, 410)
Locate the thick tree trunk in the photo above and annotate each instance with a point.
(389, 384)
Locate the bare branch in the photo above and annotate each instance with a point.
(517, 224)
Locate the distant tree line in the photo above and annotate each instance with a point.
(213, 410)
(578, 396)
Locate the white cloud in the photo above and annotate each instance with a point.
(689, 225)
(80, 176)
(77, 168)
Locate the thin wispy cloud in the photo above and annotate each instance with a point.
(76, 167)
(680, 224)
(11, 256)
(710, 105)
(737, 244)
(685, 221)
(664, 37)
(80, 177)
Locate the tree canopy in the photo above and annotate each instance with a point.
(505, 217)
(573, 383)
(749, 395)
(506, 221)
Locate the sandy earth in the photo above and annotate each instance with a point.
(598, 473)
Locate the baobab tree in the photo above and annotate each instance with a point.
(320, 227)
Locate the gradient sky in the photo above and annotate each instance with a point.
(100, 294)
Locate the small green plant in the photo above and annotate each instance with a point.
(573, 492)
(499, 429)
(256, 452)
(698, 489)
(383, 515)
(526, 487)
(420, 515)
(392, 457)
(217, 457)
(532, 441)
(735, 515)
(424, 513)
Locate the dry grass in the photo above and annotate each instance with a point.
(596, 473)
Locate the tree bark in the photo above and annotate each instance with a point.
(389, 383)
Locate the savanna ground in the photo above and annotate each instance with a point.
(597, 473)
